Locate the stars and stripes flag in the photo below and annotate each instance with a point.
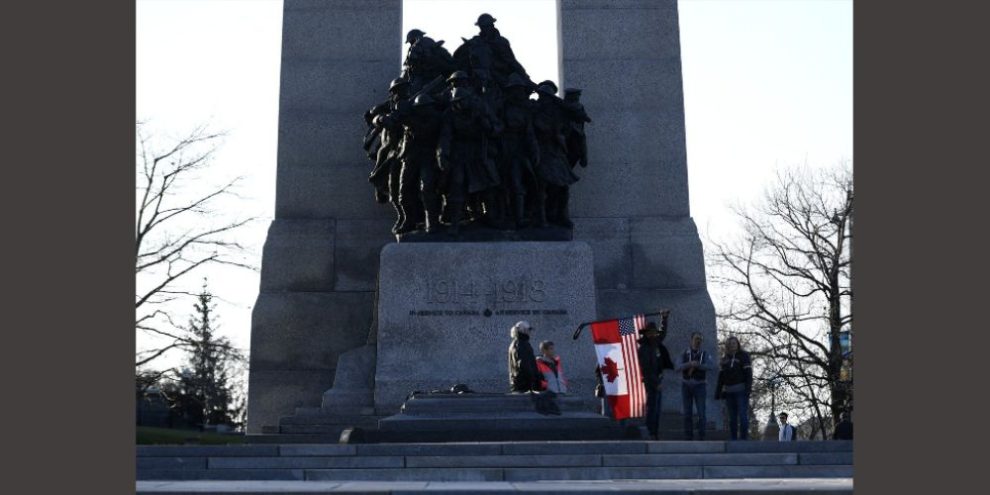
(616, 347)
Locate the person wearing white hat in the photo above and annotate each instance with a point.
(523, 374)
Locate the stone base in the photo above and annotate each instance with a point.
(445, 310)
(353, 383)
(475, 417)
(476, 232)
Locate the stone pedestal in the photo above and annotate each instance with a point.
(475, 417)
(445, 310)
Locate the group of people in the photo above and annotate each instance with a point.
(735, 380)
(531, 373)
(527, 372)
(460, 139)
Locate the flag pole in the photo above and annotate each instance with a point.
(577, 332)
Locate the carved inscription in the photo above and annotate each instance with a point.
(449, 291)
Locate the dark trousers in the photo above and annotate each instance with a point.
(653, 396)
(694, 395)
(738, 405)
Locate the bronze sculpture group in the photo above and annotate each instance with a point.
(460, 141)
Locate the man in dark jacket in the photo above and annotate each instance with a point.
(523, 375)
(843, 430)
(653, 359)
(735, 381)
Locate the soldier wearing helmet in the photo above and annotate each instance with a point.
(553, 173)
(519, 150)
(461, 153)
(419, 196)
(385, 176)
(425, 60)
(457, 79)
(577, 146)
(413, 36)
(488, 55)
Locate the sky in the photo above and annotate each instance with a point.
(767, 84)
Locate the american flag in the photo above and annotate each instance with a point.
(616, 347)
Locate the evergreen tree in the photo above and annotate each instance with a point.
(205, 392)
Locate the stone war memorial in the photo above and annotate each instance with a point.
(434, 205)
(431, 194)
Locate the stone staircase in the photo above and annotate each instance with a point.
(499, 461)
(465, 417)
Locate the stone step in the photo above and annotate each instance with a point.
(493, 435)
(819, 486)
(491, 403)
(330, 419)
(329, 431)
(498, 461)
(492, 448)
(297, 438)
(220, 474)
(504, 473)
(559, 459)
(342, 410)
(508, 421)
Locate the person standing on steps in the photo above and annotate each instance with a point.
(551, 370)
(523, 373)
(694, 366)
(735, 381)
(843, 430)
(787, 432)
(653, 359)
(606, 409)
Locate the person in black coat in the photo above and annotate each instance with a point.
(523, 374)
(843, 430)
(653, 359)
(735, 381)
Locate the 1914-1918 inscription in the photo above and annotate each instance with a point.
(493, 292)
(521, 290)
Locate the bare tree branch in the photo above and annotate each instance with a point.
(787, 286)
(177, 231)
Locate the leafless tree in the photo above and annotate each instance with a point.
(177, 231)
(787, 286)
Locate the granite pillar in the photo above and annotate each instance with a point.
(320, 259)
(631, 204)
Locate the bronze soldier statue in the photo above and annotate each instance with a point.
(553, 173)
(482, 205)
(418, 185)
(385, 176)
(577, 144)
(457, 79)
(478, 146)
(519, 149)
(425, 60)
(488, 55)
(462, 153)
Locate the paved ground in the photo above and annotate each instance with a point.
(685, 487)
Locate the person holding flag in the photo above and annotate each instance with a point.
(653, 359)
(618, 363)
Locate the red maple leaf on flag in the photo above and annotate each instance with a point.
(610, 370)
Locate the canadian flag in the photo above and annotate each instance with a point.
(618, 360)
